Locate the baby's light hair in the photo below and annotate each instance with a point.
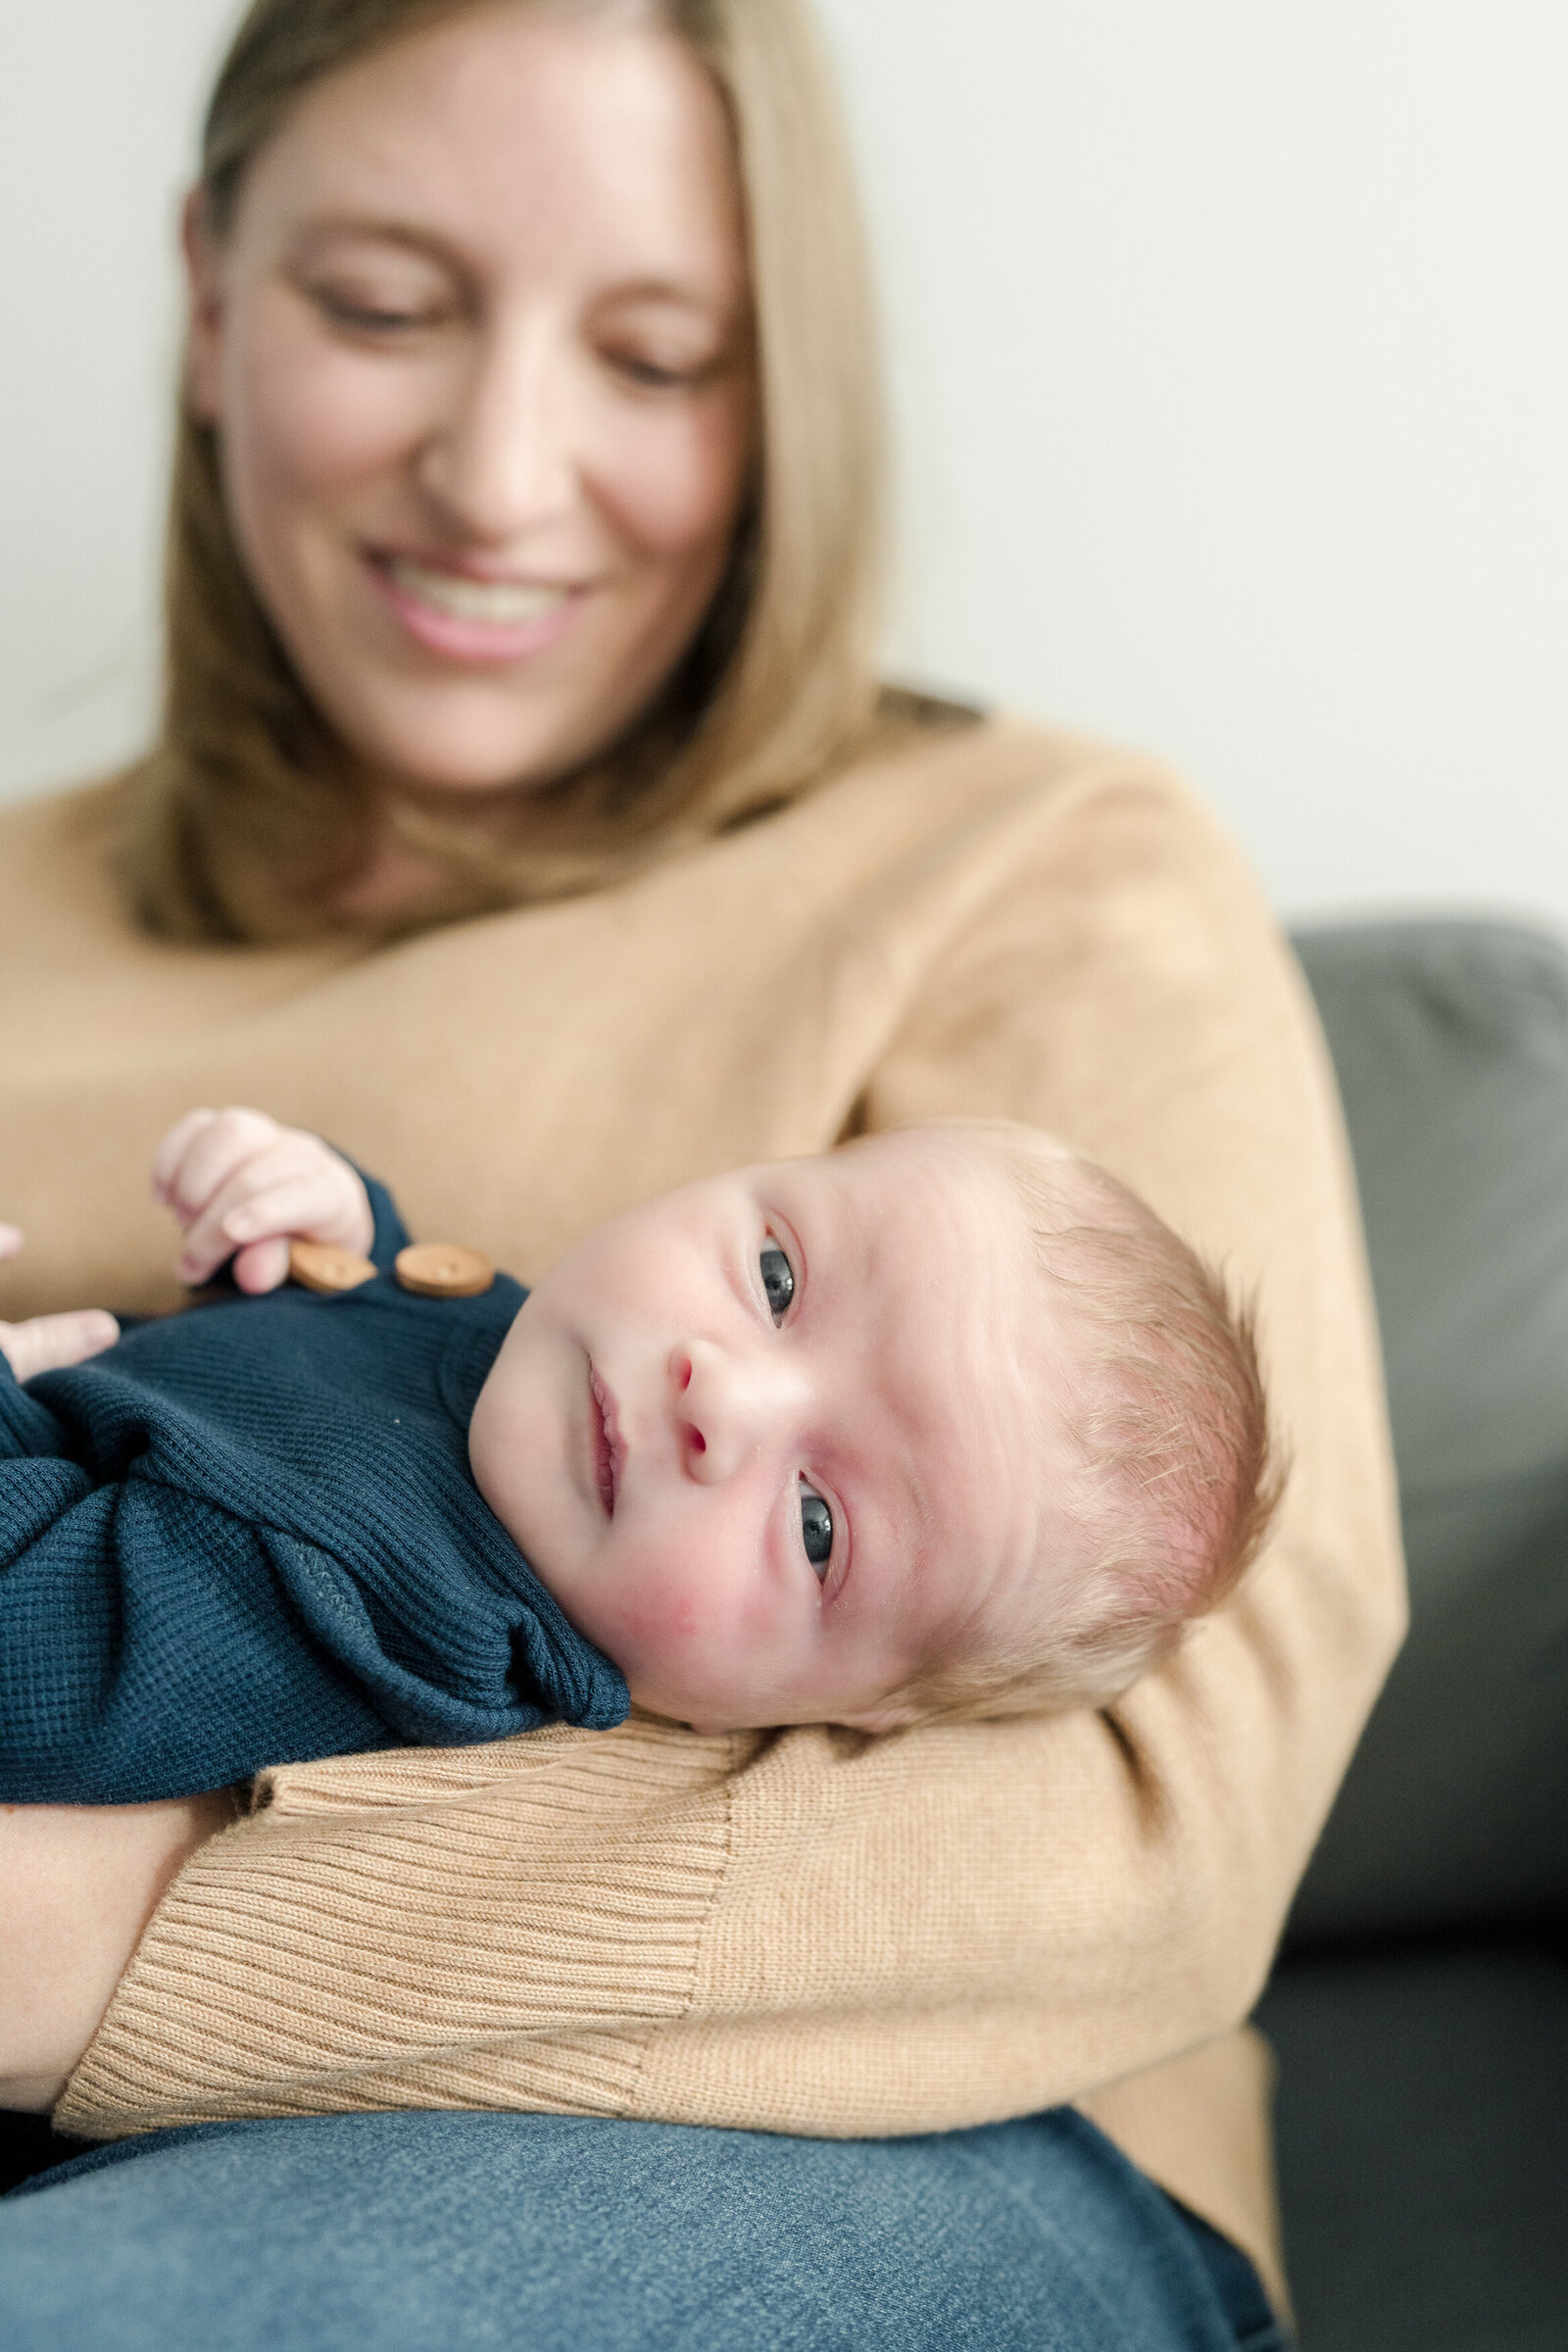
(1176, 1476)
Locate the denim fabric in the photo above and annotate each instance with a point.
(438, 2232)
(1255, 2324)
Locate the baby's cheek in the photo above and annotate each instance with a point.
(662, 1625)
(643, 1607)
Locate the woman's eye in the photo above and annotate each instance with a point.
(361, 318)
(661, 369)
(778, 1280)
(817, 1529)
(649, 372)
(363, 315)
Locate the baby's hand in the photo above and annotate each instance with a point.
(242, 1187)
(48, 1342)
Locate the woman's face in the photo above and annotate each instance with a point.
(478, 349)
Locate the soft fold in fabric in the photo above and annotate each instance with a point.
(436, 2232)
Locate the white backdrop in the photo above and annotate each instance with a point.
(1231, 347)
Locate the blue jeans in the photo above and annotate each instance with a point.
(438, 2233)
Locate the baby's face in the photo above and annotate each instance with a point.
(776, 1441)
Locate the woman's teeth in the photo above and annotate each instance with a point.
(503, 604)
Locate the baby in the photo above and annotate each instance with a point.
(945, 1422)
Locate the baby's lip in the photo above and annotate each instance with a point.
(605, 1446)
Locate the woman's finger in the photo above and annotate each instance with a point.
(10, 1242)
(48, 1342)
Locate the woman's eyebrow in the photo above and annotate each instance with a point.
(392, 228)
(664, 290)
(425, 243)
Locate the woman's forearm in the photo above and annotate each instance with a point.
(815, 1933)
(81, 1884)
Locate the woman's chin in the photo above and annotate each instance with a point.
(452, 756)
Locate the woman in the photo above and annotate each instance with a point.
(525, 816)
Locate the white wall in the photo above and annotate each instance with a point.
(99, 101)
(1232, 357)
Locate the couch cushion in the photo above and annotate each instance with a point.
(1423, 2148)
(1450, 1040)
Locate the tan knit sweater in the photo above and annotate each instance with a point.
(809, 1931)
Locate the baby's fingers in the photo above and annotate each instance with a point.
(204, 1153)
(260, 1266)
(48, 1342)
(328, 1203)
(172, 1150)
(10, 1242)
(297, 1187)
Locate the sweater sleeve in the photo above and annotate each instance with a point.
(177, 1611)
(814, 1930)
(153, 1644)
(138, 1658)
(59, 1614)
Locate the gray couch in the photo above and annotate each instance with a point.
(1420, 2010)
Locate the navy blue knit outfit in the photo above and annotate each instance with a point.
(247, 1534)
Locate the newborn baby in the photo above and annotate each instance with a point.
(943, 1422)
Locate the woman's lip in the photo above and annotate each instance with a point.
(605, 1447)
(471, 616)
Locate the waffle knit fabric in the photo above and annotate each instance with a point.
(811, 1932)
(249, 1533)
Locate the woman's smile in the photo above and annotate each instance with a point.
(466, 616)
(479, 342)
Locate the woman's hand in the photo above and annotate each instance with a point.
(242, 1187)
(47, 1343)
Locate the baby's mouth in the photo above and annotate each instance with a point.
(603, 1441)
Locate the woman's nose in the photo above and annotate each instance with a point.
(728, 1405)
(499, 459)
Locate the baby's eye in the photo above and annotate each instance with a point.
(817, 1529)
(778, 1280)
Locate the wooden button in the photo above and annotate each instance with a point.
(444, 1270)
(317, 1266)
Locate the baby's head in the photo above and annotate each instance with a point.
(943, 1423)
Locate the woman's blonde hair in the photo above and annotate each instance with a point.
(245, 817)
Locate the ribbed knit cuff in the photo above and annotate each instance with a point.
(491, 1927)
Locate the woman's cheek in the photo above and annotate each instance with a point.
(315, 419)
(671, 481)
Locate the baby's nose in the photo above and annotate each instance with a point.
(728, 1405)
